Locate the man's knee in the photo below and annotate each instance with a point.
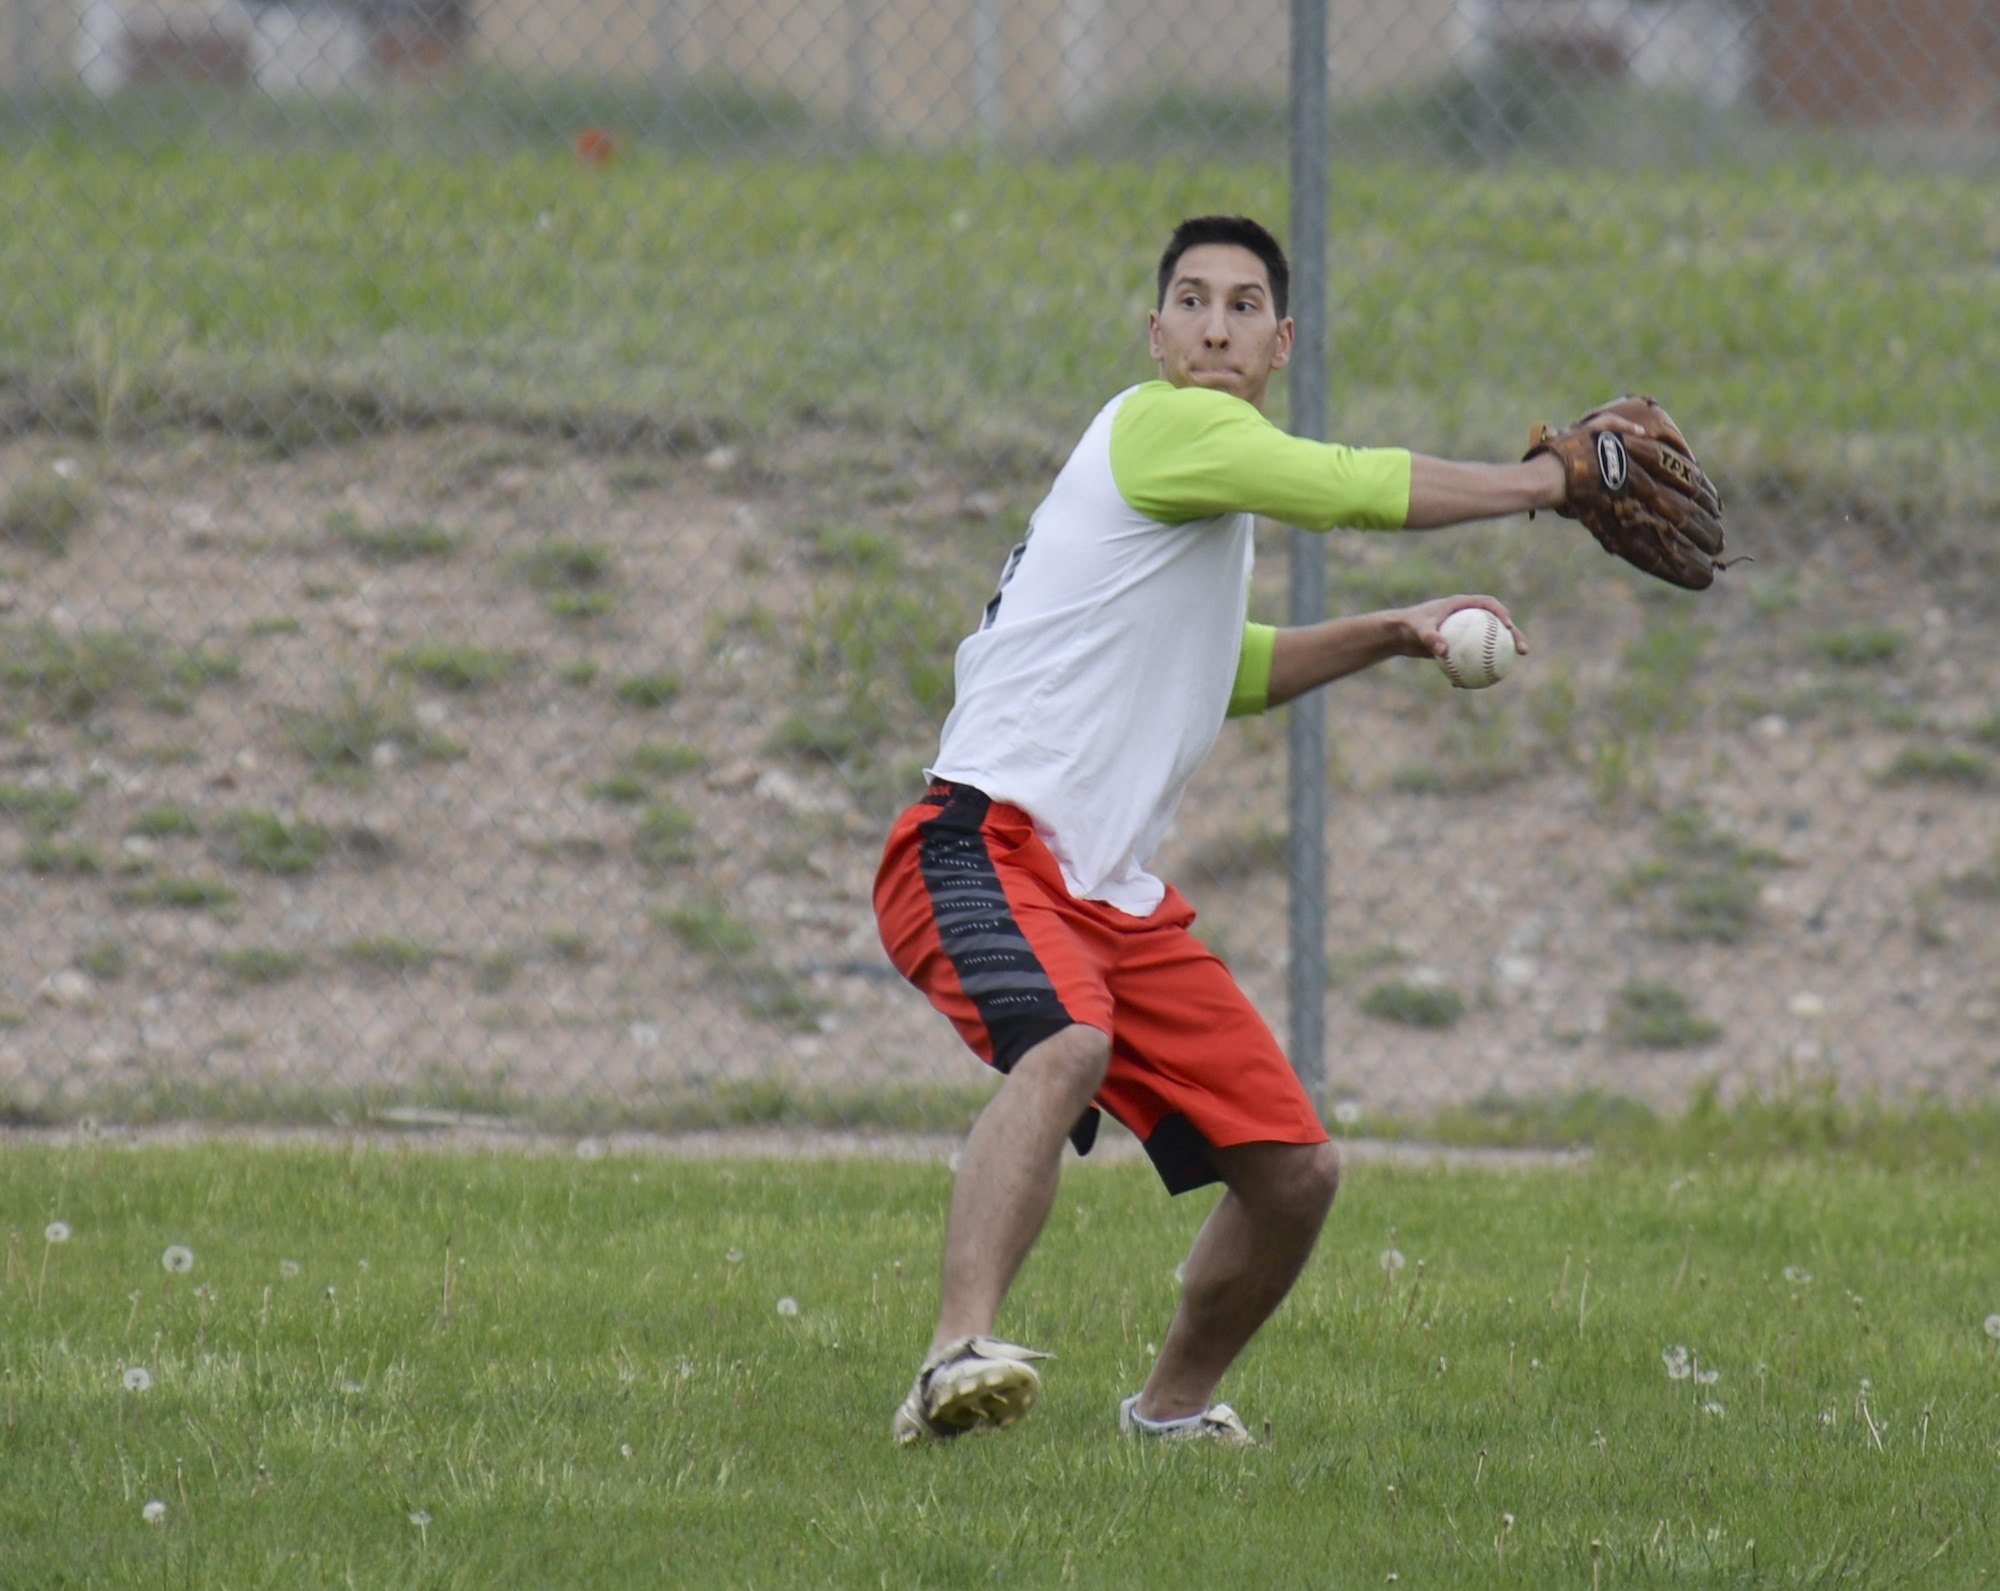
(1319, 1180)
(1292, 1183)
(1071, 1062)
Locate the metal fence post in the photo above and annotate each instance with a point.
(1306, 731)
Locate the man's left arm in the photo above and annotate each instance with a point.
(1449, 492)
(1181, 453)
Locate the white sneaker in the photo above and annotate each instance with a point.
(973, 1384)
(1218, 1423)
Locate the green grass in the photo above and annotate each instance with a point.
(398, 543)
(70, 677)
(342, 741)
(262, 841)
(187, 893)
(54, 858)
(47, 511)
(662, 759)
(453, 665)
(738, 960)
(1414, 1004)
(1950, 765)
(1700, 883)
(165, 822)
(260, 964)
(1648, 1014)
(648, 691)
(389, 953)
(41, 808)
(458, 1370)
(345, 279)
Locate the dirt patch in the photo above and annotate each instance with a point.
(596, 878)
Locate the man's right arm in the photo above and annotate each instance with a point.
(1311, 655)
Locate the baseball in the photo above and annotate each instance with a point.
(1482, 649)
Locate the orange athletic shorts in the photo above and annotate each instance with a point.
(973, 911)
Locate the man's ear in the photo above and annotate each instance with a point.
(1283, 354)
(1153, 332)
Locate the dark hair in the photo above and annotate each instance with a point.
(1244, 234)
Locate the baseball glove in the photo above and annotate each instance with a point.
(1642, 495)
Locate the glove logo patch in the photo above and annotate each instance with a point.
(1612, 464)
(1671, 463)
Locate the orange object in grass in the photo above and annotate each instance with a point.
(595, 147)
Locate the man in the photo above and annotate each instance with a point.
(1016, 895)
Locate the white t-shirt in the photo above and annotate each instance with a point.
(1101, 673)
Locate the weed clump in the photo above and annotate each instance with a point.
(1702, 883)
(263, 841)
(1650, 1015)
(1413, 1003)
(47, 511)
(734, 950)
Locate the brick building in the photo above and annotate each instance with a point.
(1873, 62)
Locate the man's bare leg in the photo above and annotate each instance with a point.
(1245, 1258)
(1008, 1173)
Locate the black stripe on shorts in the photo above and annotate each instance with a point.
(997, 967)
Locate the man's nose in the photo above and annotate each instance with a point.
(1215, 331)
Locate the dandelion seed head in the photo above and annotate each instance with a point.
(624, 1449)
(288, 1268)
(1713, 1409)
(353, 1389)
(1708, 1378)
(1347, 1113)
(788, 1305)
(1797, 1275)
(154, 1512)
(1676, 1359)
(420, 1517)
(330, 1293)
(734, 1256)
(178, 1259)
(1506, 1521)
(1993, 1327)
(590, 1149)
(1392, 1259)
(138, 1378)
(56, 1232)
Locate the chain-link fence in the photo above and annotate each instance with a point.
(489, 492)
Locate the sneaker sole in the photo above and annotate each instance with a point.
(997, 1396)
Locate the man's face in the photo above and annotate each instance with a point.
(1217, 326)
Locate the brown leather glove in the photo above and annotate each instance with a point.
(1641, 494)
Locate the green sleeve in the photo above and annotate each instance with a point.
(1182, 453)
(1251, 693)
